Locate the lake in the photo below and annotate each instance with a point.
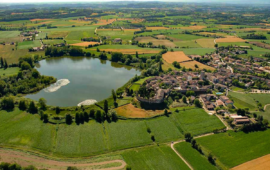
(80, 79)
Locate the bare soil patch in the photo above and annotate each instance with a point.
(161, 36)
(260, 44)
(131, 111)
(84, 44)
(230, 39)
(197, 27)
(26, 159)
(178, 56)
(132, 51)
(256, 164)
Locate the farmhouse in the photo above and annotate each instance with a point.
(117, 40)
(238, 120)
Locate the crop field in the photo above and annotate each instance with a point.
(193, 157)
(131, 111)
(10, 36)
(259, 163)
(124, 35)
(84, 44)
(227, 146)
(178, 56)
(197, 121)
(229, 39)
(77, 35)
(156, 157)
(157, 28)
(105, 21)
(12, 56)
(132, 51)
(58, 34)
(206, 43)
(197, 27)
(188, 44)
(191, 64)
(155, 42)
(29, 44)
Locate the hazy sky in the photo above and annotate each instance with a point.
(50, 1)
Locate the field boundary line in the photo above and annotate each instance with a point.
(183, 159)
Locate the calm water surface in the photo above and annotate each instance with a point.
(90, 78)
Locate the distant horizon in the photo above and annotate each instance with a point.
(100, 1)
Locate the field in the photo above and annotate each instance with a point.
(193, 157)
(158, 157)
(206, 43)
(259, 163)
(9, 71)
(157, 28)
(130, 111)
(156, 42)
(197, 121)
(84, 44)
(249, 100)
(178, 56)
(10, 36)
(235, 148)
(229, 39)
(132, 51)
(197, 27)
(191, 64)
(29, 44)
(124, 35)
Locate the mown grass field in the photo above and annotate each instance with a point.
(193, 157)
(29, 44)
(9, 71)
(157, 157)
(234, 148)
(242, 100)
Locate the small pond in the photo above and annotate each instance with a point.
(80, 79)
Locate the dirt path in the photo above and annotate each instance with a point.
(26, 159)
(266, 107)
(183, 159)
(225, 123)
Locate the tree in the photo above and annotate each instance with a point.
(42, 103)
(114, 95)
(197, 103)
(188, 137)
(57, 110)
(216, 45)
(99, 116)
(25, 66)
(114, 115)
(32, 108)
(106, 108)
(22, 105)
(86, 117)
(35, 73)
(7, 103)
(137, 55)
(92, 113)
(166, 112)
(72, 168)
(211, 159)
(77, 118)
(45, 118)
(185, 99)
(68, 119)
(2, 62)
(6, 64)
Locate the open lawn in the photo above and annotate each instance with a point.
(156, 157)
(249, 100)
(265, 114)
(235, 148)
(9, 71)
(193, 157)
(178, 56)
